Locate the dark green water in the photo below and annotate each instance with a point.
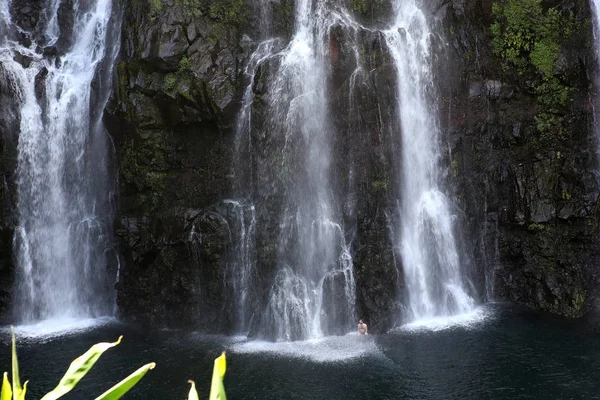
(512, 354)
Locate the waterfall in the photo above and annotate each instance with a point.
(60, 75)
(312, 291)
(241, 268)
(434, 278)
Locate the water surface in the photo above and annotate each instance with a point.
(503, 352)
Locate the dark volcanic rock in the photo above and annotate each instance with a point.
(172, 118)
(528, 200)
(530, 197)
(178, 257)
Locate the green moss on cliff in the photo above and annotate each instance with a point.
(578, 301)
(170, 82)
(143, 165)
(228, 13)
(360, 6)
(122, 77)
(155, 7)
(179, 82)
(379, 180)
(528, 38)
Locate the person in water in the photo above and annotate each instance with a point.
(362, 328)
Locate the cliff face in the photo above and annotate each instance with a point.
(523, 149)
(178, 93)
(517, 129)
(6, 226)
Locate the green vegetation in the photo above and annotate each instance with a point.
(379, 180)
(84, 363)
(227, 13)
(180, 80)
(360, 6)
(379, 185)
(170, 82)
(144, 166)
(185, 65)
(535, 227)
(155, 7)
(123, 84)
(192, 8)
(528, 38)
(578, 301)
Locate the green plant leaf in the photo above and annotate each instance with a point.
(78, 368)
(6, 393)
(16, 381)
(23, 391)
(193, 395)
(217, 390)
(123, 387)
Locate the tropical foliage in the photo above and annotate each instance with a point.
(82, 365)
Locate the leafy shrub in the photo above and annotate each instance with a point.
(82, 365)
(528, 37)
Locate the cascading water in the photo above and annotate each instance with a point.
(313, 290)
(432, 266)
(242, 266)
(63, 238)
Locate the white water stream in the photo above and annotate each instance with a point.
(433, 273)
(64, 230)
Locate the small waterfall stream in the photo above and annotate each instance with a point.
(313, 291)
(64, 231)
(434, 278)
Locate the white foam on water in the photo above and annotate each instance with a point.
(327, 349)
(466, 320)
(56, 327)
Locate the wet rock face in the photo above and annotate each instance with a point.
(178, 258)
(528, 203)
(6, 230)
(26, 14)
(171, 117)
(529, 192)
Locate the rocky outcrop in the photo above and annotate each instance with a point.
(172, 116)
(6, 229)
(9, 122)
(520, 162)
(179, 83)
(518, 125)
(364, 109)
(523, 156)
(178, 257)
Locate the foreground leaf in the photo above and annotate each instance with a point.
(123, 387)
(6, 393)
(193, 395)
(78, 368)
(23, 391)
(16, 381)
(217, 390)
